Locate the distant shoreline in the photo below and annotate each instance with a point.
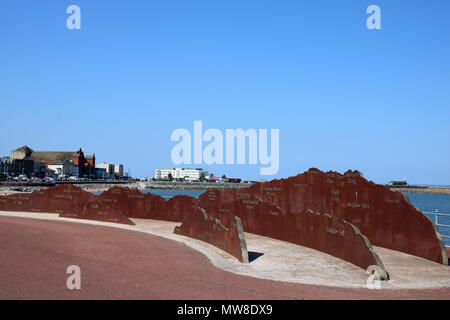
(420, 189)
(92, 186)
(173, 185)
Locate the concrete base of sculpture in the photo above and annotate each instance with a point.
(199, 225)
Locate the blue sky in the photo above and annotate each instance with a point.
(342, 96)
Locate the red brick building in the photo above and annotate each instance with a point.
(85, 164)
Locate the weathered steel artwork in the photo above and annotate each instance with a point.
(326, 211)
(230, 237)
(135, 204)
(99, 211)
(318, 231)
(67, 200)
(385, 217)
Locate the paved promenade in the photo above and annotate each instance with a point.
(119, 263)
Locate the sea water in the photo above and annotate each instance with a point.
(169, 193)
(430, 202)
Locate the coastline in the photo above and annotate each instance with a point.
(421, 189)
(173, 185)
(153, 185)
(90, 187)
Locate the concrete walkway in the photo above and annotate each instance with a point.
(277, 260)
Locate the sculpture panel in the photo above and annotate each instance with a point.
(228, 237)
(385, 217)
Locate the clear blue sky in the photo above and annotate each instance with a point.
(344, 97)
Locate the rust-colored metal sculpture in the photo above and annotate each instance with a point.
(53, 200)
(385, 217)
(305, 209)
(321, 232)
(230, 238)
(99, 211)
(70, 200)
(67, 200)
(135, 204)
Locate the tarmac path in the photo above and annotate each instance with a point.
(124, 264)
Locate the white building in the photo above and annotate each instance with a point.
(108, 167)
(118, 170)
(181, 173)
(65, 168)
(112, 169)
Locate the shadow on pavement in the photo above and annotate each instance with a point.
(252, 256)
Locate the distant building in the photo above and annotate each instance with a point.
(50, 173)
(112, 170)
(118, 170)
(64, 169)
(91, 160)
(398, 183)
(17, 166)
(109, 168)
(101, 172)
(26, 161)
(85, 164)
(231, 180)
(181, 173)
(40, 169)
